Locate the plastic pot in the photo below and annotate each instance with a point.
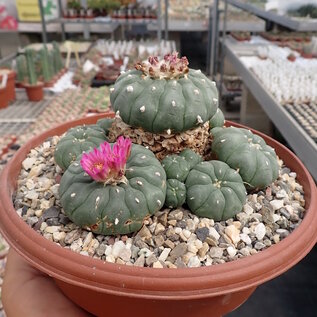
(10, 83)
(35, 92)
(4, 100)
(107, 289)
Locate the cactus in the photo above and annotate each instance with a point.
(51, 62)
(164, 96)
(123, 195)
(47, 75)
(191, 157)
(58, 56)
(76, 141)
(21, 68)
(242, 150)
(30, 67)
(218, 119)
(175, 193)
(105, 124)
(214, 190)
(176, 167)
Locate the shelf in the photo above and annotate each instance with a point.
(295, 135)
(292, 23)
(71, 27)
(202, 26)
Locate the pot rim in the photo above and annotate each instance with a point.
(166, 283)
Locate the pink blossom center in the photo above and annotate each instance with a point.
(107, 164)
(170, 67)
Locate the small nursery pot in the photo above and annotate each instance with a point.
(106, 289)
(35, 92)
(4, 100)
(10, 83)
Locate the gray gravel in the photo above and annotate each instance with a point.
(170, 238)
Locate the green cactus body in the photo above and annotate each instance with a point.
(218, 119)
(105, 124)
(191, 157)
(214, 190)
(47, 75)
(176, 167)
(58, 56)
(158, 105)
(115, 209)
(242, 150)
(30, 67)
(76, 141)
(175, 193)
(21, 68)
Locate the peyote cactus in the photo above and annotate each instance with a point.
(21, 68)
(176, 167)
(105, 124)
(164, 95)
(191, 157)
(175, 193)
(214, 190)
(47, 75)
(218, 119)
(112, 191)
(30, 67)
(242, 150)
(76, 141)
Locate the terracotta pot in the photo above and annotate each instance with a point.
(106, 289)
(10, 83)
(49, 84)
(35, 92)
(4, 99)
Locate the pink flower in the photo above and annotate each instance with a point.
(107, 165)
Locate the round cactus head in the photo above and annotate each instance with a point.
(171, 67)
(107, 164)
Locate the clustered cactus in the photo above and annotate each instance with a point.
(42, 65)
(111, 188)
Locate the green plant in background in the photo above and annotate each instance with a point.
(46, 73)
(248, 153)
(58, 56)
(31, 67)
(73, 4)
(214, 190)
(21, 68)
(52, 64)
(164, 96)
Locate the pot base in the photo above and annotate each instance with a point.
(102, 305)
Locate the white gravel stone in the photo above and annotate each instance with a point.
(194, 262)
(233, 233)
(117, 248)
(163, 256)
(260, 231)
(52, 229)
(277, 204)
(231, 251)
(28, 162)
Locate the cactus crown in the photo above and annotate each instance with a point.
(171, 67)
(108, 165)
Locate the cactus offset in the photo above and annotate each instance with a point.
(247, 152)
(175, 193)
(164, 96)
(76, 141)
(191, 157)
(124, 195)
(176, 167)
(218, 119)
(105, 124)
(214, 190)
(30, 67)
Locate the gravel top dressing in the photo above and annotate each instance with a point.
(172, 237)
